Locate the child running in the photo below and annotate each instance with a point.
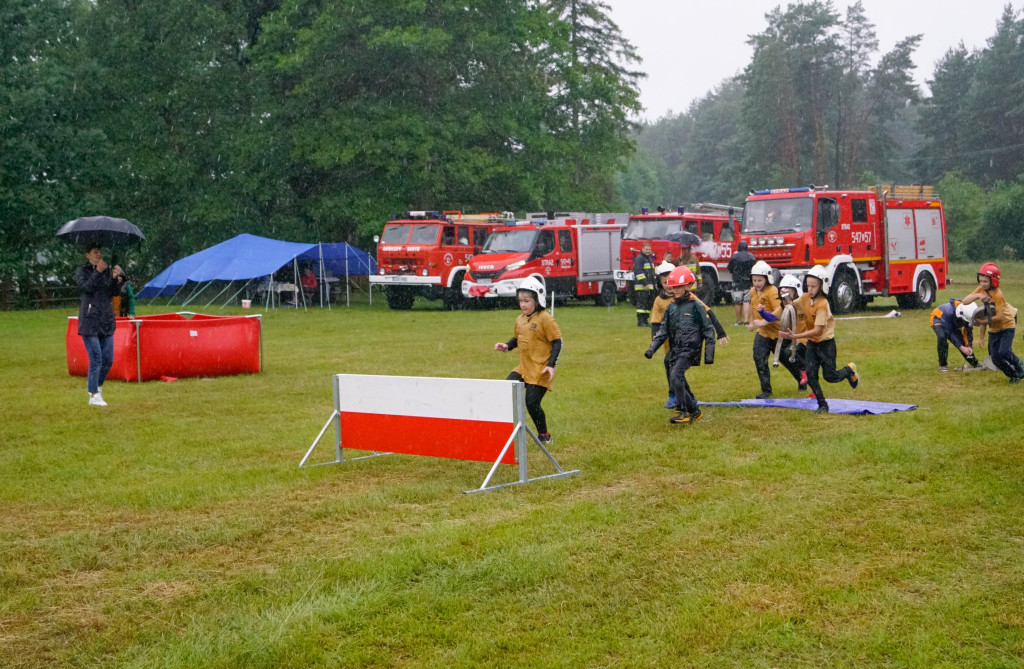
(539, 340)
(817, 326)
(766, 308)
(687, 326)
(1000, 317)
(661, 303)
(787, 350)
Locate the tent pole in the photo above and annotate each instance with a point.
(192, 294)
(324, 288)
(230, 299)
(219, 294)
(298, 286)
(196, 293)
(347, 303)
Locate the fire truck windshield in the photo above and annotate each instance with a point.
(406, 233)
(652, 228)
(778, 215)
(510, 241)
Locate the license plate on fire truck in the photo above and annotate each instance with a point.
(484, 281)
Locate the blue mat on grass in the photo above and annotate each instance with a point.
(858, 407)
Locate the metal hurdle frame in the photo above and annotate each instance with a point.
(520, 439)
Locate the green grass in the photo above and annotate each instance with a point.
(173, 528)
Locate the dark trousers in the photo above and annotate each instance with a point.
(823, 355)
(685, 401)
(763, 348)
(668, 374)
(643, 298)
(101, 357)
(534, 394)
(1000, 345)
(943, 348)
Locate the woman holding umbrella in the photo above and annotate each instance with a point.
(97, 283)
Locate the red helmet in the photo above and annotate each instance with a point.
(681, 276)
(990, 270)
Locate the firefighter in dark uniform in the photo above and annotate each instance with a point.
(644, 284)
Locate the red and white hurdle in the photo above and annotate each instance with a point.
(466, 419)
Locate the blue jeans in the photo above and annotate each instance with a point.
(101, 357)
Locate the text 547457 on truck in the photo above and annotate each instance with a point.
(426, 253)
(880, 242)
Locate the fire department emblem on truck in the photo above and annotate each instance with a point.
(448, 259)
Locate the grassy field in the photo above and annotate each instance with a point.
(174, 529)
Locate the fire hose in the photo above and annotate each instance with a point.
(787, 322)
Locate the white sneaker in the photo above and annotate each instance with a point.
(97, 400)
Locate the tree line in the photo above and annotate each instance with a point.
(307, 120)
(817, 104)
(317, 120)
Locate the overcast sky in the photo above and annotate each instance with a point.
(690, 46)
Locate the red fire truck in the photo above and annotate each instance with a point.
(572, 254)
(887, 240)
(717, 226)
(425, 253)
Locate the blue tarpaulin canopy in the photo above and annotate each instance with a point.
(248, 257)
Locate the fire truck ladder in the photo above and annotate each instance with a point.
(711, 207)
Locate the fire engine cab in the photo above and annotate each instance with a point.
(572, 254)
(887, 240)
(426, 253)
(717, 226)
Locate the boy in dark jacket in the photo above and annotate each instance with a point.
(688, 328)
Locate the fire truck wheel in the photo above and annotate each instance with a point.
(452, 297)
(925, 293)
(399, 298)
(844, 294)
(606, 298)
(708, 289)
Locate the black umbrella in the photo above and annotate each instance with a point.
(684, 238)
(102, 230)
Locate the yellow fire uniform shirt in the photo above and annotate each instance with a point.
(534, 334)
(811, 314)
(1005, 312)
(658, 312)
(769, 299)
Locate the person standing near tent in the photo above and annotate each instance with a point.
(539, 340)
(309, 284)
(1000, 318)
(98, 283)
(818, 327)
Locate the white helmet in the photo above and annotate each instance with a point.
(965, 312)
(664, 268)
(790, 281)
(531, 284)
(761, 268)
(821, 274)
